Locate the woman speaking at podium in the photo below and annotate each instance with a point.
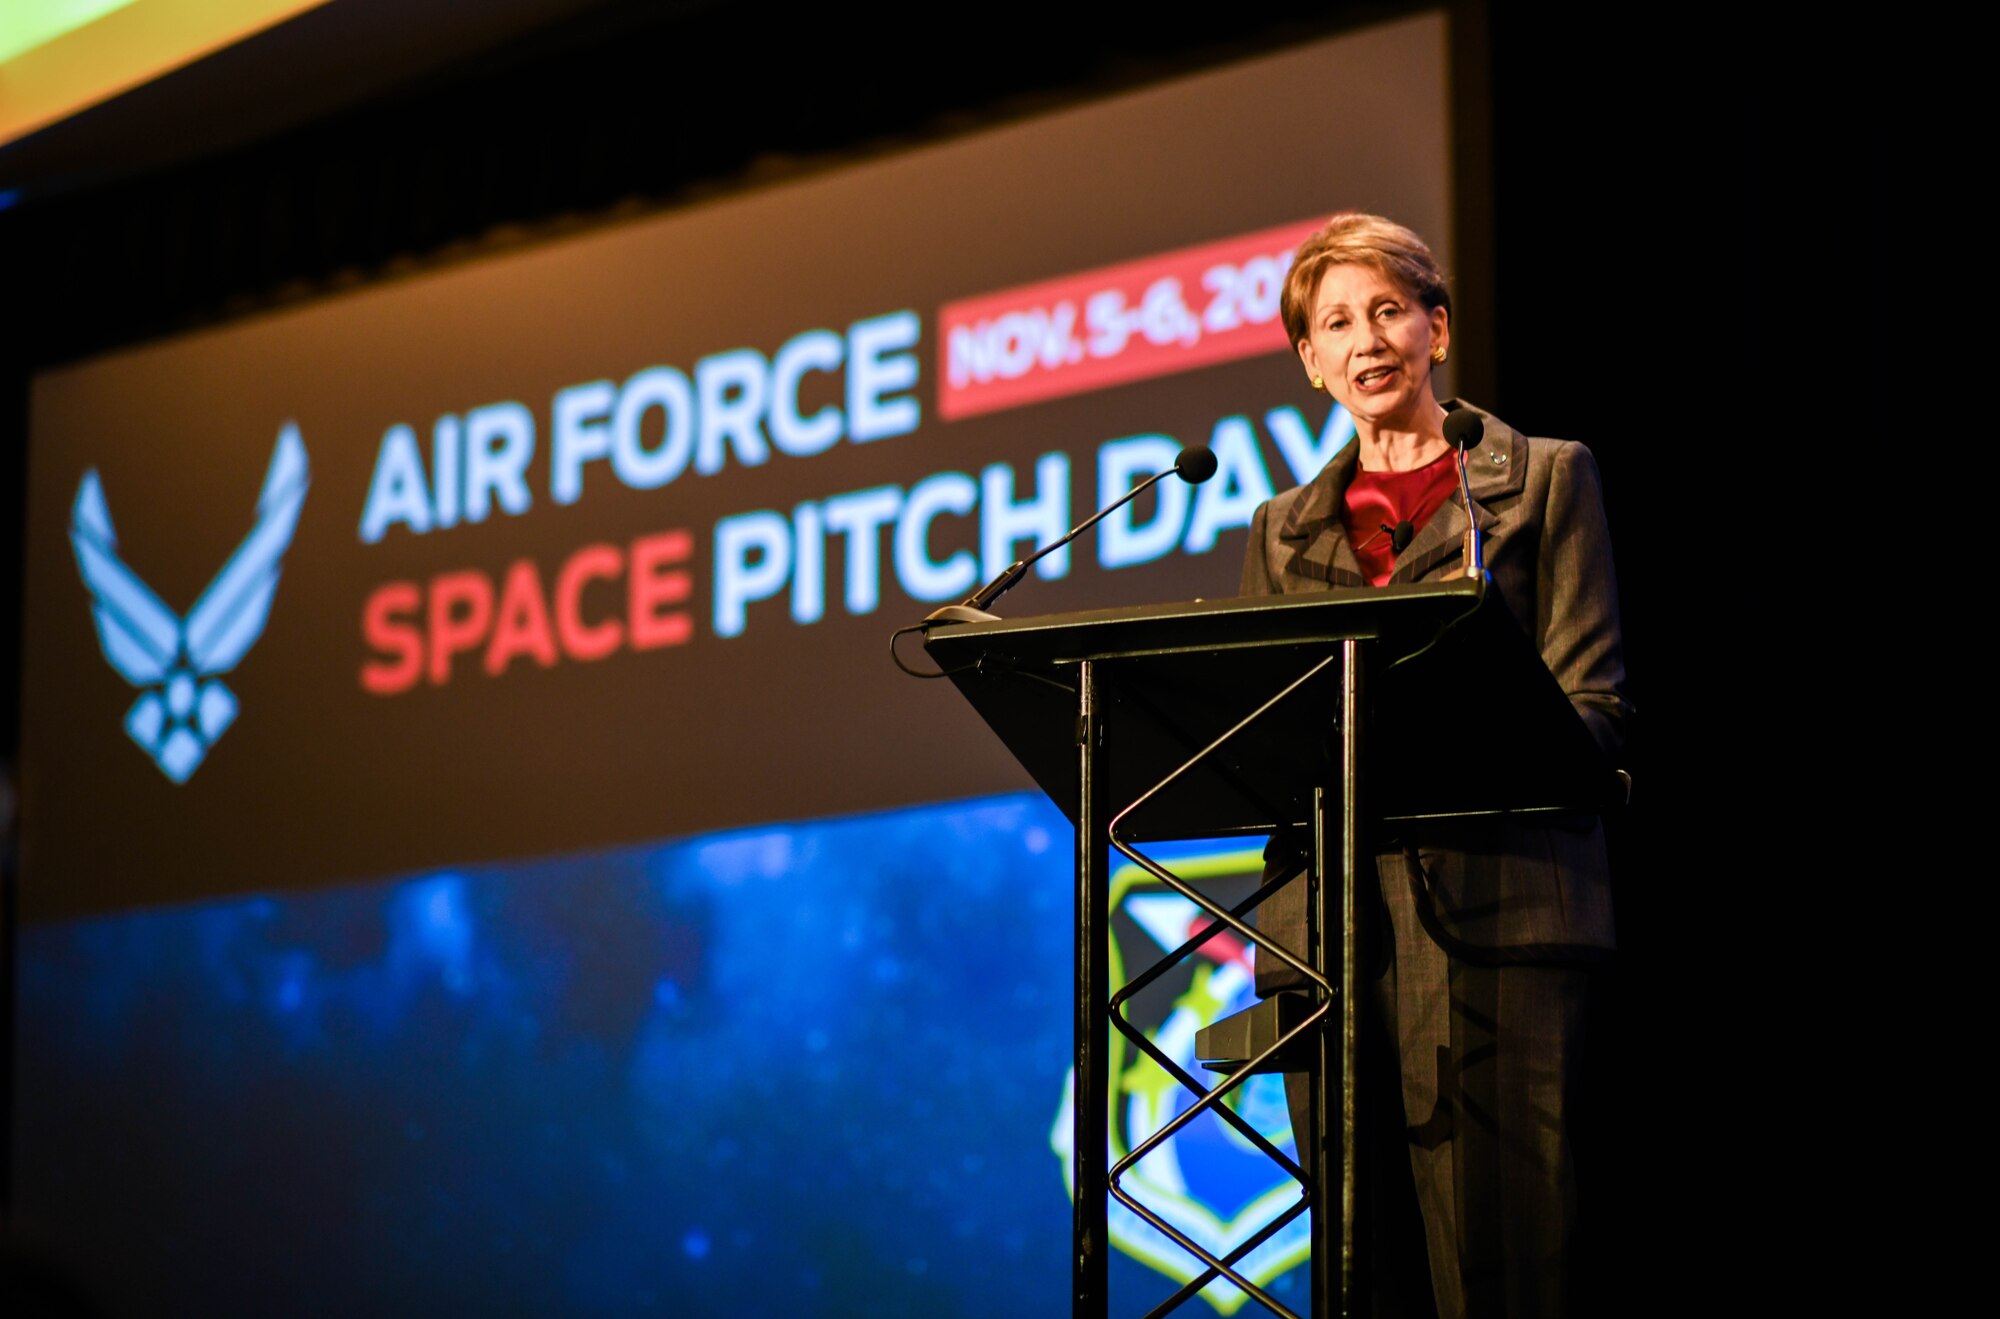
(1485, 928)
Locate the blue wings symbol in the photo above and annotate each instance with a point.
(185, 706)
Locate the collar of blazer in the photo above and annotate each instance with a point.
(1320, 548)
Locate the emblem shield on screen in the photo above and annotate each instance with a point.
(183, 704)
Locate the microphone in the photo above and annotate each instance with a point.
(1463, 430)
(1194, 464)
(1399, 536)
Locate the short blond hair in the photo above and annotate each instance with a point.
(1360, 239)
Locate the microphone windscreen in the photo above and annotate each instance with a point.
(1464, 428)
(1401, 535)
(1195, 464)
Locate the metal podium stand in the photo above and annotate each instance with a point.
(1318, 712)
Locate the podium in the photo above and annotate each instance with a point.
(1324, 713)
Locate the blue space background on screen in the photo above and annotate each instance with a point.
(797, 1070)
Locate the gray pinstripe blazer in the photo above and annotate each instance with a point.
(1525, 891)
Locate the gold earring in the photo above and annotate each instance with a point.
(1437, 354)
(1318, 383)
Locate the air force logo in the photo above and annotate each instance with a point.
(184, 706)
(1214, 1186)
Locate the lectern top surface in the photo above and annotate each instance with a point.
(1172, 679)
(1261, 620)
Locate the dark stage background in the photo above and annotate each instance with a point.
(1610, 224)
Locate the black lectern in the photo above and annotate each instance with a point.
(1314, 712)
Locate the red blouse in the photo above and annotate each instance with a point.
(1376, 499)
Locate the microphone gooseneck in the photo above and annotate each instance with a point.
(1463, 430)
(1194, 464)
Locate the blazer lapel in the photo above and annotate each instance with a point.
(1313, 530)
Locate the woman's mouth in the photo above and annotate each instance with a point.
(1375, 377)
